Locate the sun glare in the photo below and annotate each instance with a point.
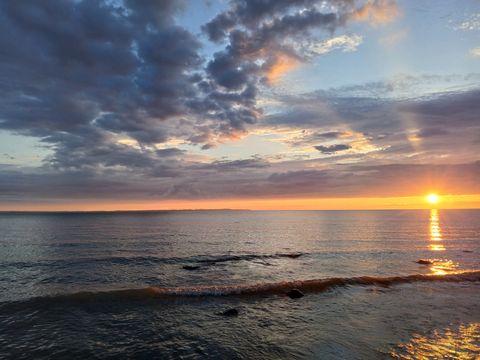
(432, 198)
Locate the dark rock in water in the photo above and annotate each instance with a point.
(295, 294)
(468, 251)
(424, 262)
(293, 256)
(230, 312)
(191, 267)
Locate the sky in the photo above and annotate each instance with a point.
(259, 104)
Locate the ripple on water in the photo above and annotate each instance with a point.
(457, 343)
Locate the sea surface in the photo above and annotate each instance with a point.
(376, 285)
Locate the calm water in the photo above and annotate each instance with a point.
(154, 285)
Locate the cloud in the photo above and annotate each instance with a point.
(347, 43)
(168, 152)
(381, 105)
(89, 72)
(432, 131)
(265, 39)
(378, 119)
(475, 52)
(236, 165)
(92, 69)
(311, 137)
(280, 65)
(332, 134)
(277, 181)
(98, 67)
(332, 149)
(377, 12)
(472, 23)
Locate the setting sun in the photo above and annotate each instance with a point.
(432, 198)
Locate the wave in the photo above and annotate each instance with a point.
(314, 285)
(148, 260)
(277, 288)
(247, 257)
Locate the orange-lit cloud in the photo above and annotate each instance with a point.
(282, 64)
(377, 12)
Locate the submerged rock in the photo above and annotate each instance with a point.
(230, 312)
(295, 294)
(191, 267)
(424, 262)
(293, 256)
(468, 251)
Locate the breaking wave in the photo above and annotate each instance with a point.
(276, 288)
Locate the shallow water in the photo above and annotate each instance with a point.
(154, 284)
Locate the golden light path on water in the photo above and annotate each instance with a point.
(435, 232)
(439, 266)
(449, 343)
(457, 343)
(460, 343)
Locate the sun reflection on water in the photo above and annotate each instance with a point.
(443, 267)
(460, 343)
(435, 231)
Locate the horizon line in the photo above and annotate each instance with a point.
(216, 210)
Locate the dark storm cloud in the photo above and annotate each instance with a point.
(258, 35)
(261, 39)
(88, 66)
(88, 72)
(289, 15)
(332, 149)
(75, 73)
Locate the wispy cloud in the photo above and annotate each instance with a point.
(472, 23)
(346, 43)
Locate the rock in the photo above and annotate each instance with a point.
(230, 312)
(468, 251)
(293, 256)
(424, 262)
(191, 267)
(295, 294)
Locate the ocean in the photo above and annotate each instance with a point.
(375, 285)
